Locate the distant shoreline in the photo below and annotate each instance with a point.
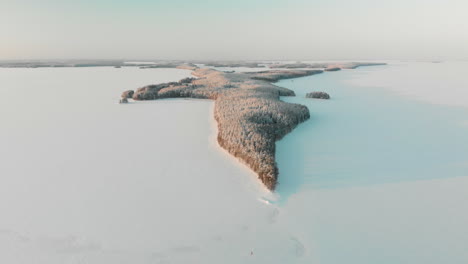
(174, 64)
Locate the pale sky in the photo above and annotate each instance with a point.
(234, 29)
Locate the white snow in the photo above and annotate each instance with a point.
(86, 180)
(379, 175)
(438, 83)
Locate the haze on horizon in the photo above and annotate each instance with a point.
(231, 30)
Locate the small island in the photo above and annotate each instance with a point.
(318, 95)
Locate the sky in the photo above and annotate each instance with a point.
(234, 30)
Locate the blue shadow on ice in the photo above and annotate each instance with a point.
(366, 135)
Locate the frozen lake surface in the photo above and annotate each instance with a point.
(86, 180)
(378, 174)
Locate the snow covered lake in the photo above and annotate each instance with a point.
(378, 174)
(86, 180)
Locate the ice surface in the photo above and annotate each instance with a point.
(380, 175)
(86, 180)
(374, 176)
(443, 83)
